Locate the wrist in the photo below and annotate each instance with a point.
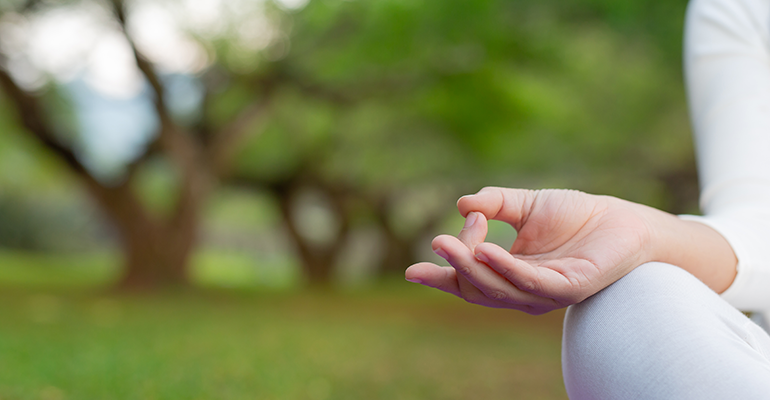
(694, 247)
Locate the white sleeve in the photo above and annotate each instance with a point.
(727, 65)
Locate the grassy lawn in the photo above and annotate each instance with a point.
(391, 341)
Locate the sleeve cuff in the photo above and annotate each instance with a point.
(750, 291)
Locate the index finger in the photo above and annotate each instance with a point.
(507, 205)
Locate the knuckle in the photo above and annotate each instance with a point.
(464, 270)
(497, 295)
(509, 274)
(529, 285)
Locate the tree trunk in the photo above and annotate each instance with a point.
(318, 269)
(156, 252)
(155, 257)
(318, 262)
(399, 253)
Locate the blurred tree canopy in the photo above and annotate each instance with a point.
(351, 115)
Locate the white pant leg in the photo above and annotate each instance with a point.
(660, 333)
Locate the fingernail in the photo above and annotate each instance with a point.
(482, 257)
(413, 280)
(441, 253)
(470, 220)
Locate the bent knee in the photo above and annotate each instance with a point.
(648, 293)
(654, 286)
(607, 335)
(611, 335)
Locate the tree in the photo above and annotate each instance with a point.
(386, 111)
(156, 248)
(400, 98)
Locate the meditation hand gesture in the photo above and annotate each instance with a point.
(569, 246)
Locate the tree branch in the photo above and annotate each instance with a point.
(226, 140)
(185, 152)
(180, 147)
(32, 117)
(143, 64)
(118, 201)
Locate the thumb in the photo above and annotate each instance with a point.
(474, 231)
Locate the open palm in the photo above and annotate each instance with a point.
(569, 246)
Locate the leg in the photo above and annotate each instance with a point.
(659, 333)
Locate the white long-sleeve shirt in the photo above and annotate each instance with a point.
(727, 66)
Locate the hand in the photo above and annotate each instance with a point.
(569, 246)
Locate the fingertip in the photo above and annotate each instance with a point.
(487, 201)
(487, 247)
(441, 241)
(413, 273)
(481, 256)
(461, 200)
(481, 218)
(432, 275)
(466, 204)
(492, 254)
(470, 219)
(498, 258)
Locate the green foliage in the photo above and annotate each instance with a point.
(60, 223)
(417, 102)
(584, 94)
(156, 184)
(25, 166)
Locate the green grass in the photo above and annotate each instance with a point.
(209, 268)
(30, 269)
(394, 340)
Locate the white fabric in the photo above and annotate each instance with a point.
(660, 333)
(727, 66)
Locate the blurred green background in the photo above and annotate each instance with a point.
(217, 199)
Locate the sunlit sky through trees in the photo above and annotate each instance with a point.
(79, 47)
